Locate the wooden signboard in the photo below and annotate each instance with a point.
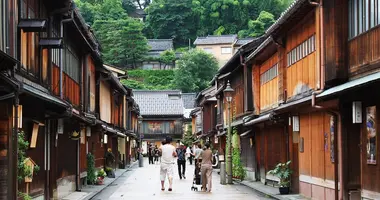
(33, 141)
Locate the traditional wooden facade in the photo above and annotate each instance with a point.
(311, 82)
(207, 116)
(162, 113)
(51, 95)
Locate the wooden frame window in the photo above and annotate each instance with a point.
(362, 16)
(72, 64)
(301, 51)
(29, 52)
(28, 9)
(269, 75)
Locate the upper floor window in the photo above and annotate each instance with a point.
(226, 50)
(270, 74)
(208, 50)
(29, 52)
(362, 15)
(301, 51)
(72, 64)
(28, 9)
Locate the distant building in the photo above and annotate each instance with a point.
(138, 14)
(157, 47)
(162, 113)
(188, 105)
(221, 47)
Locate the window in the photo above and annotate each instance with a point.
(29, 52)
(301, 51)
(269, 74)
(226, 50)
(28, 9)
(362, 15)
(72, 64)
(208, 50)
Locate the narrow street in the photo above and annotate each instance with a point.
(144, 183)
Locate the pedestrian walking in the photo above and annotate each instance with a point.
(181, 161)
(189, 154)
(156, 154)
(197, 154)
(150, 154)
(169, 154)
(206, 168)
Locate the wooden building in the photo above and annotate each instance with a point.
(51, 95)
(312, 79)
(207, 116)
(162, 113)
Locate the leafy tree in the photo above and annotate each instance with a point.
(167, 58)
(172, 19)
(122, 41)
(188, 138)
(194, 71)
(257, 27)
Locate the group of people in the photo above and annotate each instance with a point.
(153, 154)
(203, 159)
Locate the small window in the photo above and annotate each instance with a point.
(226, 50)
(208, 50)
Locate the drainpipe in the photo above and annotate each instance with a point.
(338, 154)
(6, 22)
(321, 69)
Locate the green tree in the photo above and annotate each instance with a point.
(172, 19)
(257, 27)
(122, 41)
(188, 138)
(194, 71)
(167, 58)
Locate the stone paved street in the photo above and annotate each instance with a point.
(143, 183)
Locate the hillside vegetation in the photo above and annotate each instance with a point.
(150, 79)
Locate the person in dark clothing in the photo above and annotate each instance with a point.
(181, 161)
(191, 156)
(156, 154)
(150, 154)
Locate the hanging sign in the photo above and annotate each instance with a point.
(357, 112)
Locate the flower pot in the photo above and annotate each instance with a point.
(284, 190)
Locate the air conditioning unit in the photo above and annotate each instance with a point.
(354, 195)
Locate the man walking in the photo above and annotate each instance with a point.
(181, 161)
(167, 162)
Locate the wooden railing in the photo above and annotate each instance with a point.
(71, 89)
(364, 49)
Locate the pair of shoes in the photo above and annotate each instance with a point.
(162, 189)
(180, 178)
(170, 189)
(184, 177)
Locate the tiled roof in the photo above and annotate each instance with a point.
(159, 102)
(243, 41)
(160, 44)
(216, 39)
(188, 100)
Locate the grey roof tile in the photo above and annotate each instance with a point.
(159, 102)
(244, 41)
(188, 100)
(216, 39)
(160, 44)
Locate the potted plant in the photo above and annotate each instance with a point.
(283, 172)
(100, 177)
